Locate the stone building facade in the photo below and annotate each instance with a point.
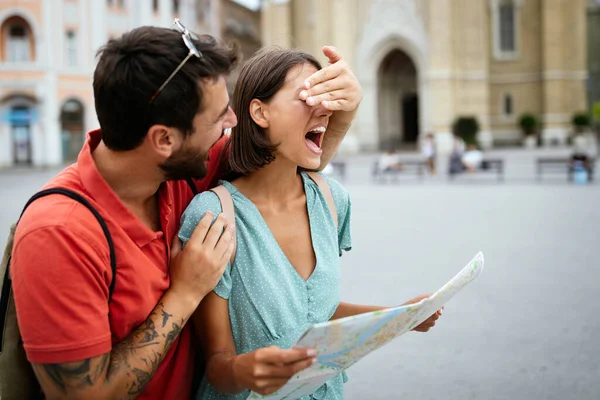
(423, 63)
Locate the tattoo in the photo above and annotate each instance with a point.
(77, 375)
(132, 362)
(172, 335)
(142, 377)
(165, 316)
(148, 333)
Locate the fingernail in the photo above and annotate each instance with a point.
(441, 311)
(303, 95)
(325, 104)
(314, 361)
(209, 212)
(230, 227)
(310, 101)
(307, 84)
(311, 352)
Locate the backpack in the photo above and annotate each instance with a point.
(229, 211)
(17, 379)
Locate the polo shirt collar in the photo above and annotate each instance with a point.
(108, 200)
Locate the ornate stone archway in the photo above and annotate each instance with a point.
(391, 25)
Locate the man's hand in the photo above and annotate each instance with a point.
(335, 86)
(429, 322)
(196, 270)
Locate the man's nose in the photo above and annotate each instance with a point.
(230, 119)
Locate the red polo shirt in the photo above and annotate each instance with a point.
(61, 272)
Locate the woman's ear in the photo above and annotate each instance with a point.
(259, 113)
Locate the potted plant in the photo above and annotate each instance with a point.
(583, 137)
(529, 124)
(581, 122)
(466, 128)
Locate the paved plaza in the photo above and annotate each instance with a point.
(527, 328)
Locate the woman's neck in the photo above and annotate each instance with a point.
(276, 184)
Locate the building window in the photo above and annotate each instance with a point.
(71, 48)
(176, 6)
(505, 25)
(155, 5)
(508, 105)
(17, 46)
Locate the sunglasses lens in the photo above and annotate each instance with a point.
(190, 45)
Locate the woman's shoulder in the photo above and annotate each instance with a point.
(205, 202)
(338, 191)
(341, 197)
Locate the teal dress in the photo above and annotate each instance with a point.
(270, 304)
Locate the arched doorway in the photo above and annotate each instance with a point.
(398, 101)
(72, 129)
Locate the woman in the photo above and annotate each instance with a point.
(286, 273)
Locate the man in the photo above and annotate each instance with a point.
(162, 105)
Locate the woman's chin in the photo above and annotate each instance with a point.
(311, 163)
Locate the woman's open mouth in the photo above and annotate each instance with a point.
(314, 139)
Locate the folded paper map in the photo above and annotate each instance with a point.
(343, 342)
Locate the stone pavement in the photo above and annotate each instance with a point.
(527, 328)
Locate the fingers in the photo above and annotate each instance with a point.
(332, 54)
(274, 355)
(215, 232)
(325, 74)
(200, 231)
(336, 105)
(266, 387)
(429, 323)
(225, 244)
(285, 372)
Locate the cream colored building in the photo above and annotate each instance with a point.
(47, 58)
(422, 63)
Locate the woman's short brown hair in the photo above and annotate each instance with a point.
(260, 78)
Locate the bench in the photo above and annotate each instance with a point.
(409, 167)
(560, 165)
(494, 165)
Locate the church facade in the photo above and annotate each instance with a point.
(423, 63)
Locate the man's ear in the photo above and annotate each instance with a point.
(259, 113)
(163, 140)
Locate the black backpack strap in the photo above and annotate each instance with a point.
(192, 185)
(80, 199)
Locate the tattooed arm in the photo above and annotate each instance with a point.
(126, 370)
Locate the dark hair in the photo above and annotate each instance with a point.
(132, 68)
(260, 78)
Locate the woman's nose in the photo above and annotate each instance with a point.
(321, 111)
